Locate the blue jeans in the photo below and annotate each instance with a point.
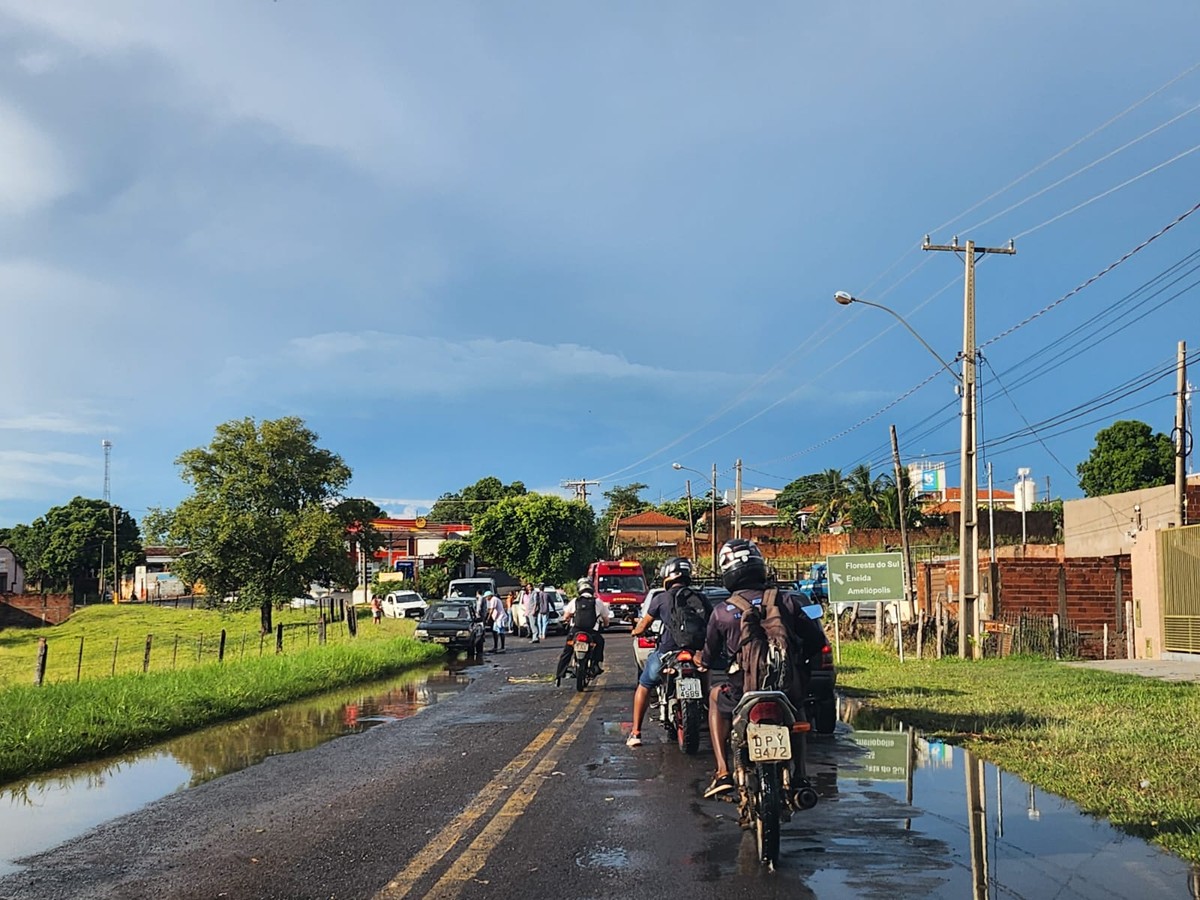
(652, 672)
(540, 621)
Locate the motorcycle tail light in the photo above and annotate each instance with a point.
(684, 656)
(581, 638)
(767, 711)
(801, 727)
(826, 657)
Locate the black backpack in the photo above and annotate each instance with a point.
(689, 618)
(770, 654)
(585, 614)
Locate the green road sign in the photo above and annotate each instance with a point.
(886, 756)
(866, 578)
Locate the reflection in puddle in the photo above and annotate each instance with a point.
(46, 810)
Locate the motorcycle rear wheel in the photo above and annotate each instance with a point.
(767, 820)
(688, 728)
(581, 674)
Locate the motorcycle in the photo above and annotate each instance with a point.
(768, 752)
(583, 662)
(681, 699)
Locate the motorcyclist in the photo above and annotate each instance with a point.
(676, 575)
(585, 613)
(743, 571)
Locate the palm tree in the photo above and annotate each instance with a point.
(866, 496)
(830, 495)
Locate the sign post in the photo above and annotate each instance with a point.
(867, 577)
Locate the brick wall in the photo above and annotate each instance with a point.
(31, 610)
(1088, 591)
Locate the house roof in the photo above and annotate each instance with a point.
(651, 518)
(955, 494)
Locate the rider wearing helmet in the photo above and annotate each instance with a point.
(587, 612)
(677, 579)
(743, 572)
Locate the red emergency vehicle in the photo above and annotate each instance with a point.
(621, 584)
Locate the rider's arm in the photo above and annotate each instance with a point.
(643, 623)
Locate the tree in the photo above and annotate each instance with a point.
(827, 492)
(260, 520)
(537, 537)
(866, 497)
(63, 549)
(456, 554)
(623, 500)
(463, 506)
(1127, 456)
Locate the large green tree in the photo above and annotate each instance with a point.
(827, 492)
(537, 537)
(464, 505)
(261, 520)
(70, 545)
(1127, 456)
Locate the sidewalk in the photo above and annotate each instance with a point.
(1166, 669)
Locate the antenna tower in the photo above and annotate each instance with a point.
(107, 445)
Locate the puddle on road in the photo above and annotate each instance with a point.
(48, 809)
(902, 816)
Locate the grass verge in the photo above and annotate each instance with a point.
(45, 727)
(1120, 746)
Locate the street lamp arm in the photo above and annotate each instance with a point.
(846, 299)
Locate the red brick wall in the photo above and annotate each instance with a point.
(1193, 504)
(28, 610)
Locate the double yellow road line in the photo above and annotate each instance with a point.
(471, 860)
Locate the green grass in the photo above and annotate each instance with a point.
(1120, 746)
(63, 721)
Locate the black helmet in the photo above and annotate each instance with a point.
(742, 565)
(677, 568)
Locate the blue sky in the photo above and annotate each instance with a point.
(559, 240)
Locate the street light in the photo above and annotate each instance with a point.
(968, 549)
(712, 524)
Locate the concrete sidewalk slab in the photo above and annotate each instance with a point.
(1166, 669)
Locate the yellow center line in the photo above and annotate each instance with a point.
(452, 833)
(473, 859)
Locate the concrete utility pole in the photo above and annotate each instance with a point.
(691, 518)
(737, 502)
(580, 486)
(712, 528)
(1181, 433)
(968, 532)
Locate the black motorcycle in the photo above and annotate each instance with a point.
(681, 699)
(768, 752)
(583, 659)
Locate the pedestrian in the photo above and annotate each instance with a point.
(376, 610)
(498, 616)
(543, 600)
(527, 610)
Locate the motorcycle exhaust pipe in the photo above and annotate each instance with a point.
(806, 798)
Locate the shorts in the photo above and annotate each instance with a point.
(652, 673)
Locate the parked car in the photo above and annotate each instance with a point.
(304, 603)
(453, 624)
(644, 645)
(820, 704)
(404, 605)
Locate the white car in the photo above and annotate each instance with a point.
(644, 645)
(404, 605)
(304, 603)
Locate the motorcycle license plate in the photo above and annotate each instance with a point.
(688, 689)
(768, 742)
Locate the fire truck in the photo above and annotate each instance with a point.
(621, 584)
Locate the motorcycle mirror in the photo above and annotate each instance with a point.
(813, 612)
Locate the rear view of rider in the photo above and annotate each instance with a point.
(677, 579)
(743, 572)
(585, 613)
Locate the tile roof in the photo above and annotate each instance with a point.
(650, 518)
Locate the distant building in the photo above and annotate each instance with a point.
(12, 573)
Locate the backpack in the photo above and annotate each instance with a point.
(585, 614)
(770, 654)
(689, 618)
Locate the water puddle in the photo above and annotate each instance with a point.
(902, 816)
(48, 809)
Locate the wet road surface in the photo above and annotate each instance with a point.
(514, 788)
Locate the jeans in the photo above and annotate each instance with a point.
(540, 621)
(652, 671)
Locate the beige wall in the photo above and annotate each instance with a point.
(1111, 525)
(1147, 612)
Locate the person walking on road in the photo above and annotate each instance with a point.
(542, 603)
(497, 616)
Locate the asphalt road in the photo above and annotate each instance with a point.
(513, 788)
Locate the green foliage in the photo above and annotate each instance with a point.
(623, 500)
(433, 581)
(678, 509)
(356, 516)
(259, 521)
(465, 505)
(156, 526)
(1127, 456)
(456, 553)
(64, 548)
(537, 537)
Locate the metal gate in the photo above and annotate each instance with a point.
(1179, 583)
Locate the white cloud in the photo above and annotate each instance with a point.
(33, 173)
(26, 474)
(430, 365)
(52, 422)
(402, 508)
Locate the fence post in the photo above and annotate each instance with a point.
(321, 631)
(879, 623)
(146, 656)
(279, 638)
(39, 669)
(116, 641)
(920, 630)
(1105, 640)
(1054, 628)
(79, 662)
(221, 649)
(352, 621)
(1130, 645)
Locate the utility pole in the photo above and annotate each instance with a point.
(737, 502)
(691, 518)
(580, 486)
(712, 527)
(1181, 433)
(968, 531)
(901, 499)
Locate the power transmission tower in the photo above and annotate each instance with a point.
(968, 531)
(580, 486)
